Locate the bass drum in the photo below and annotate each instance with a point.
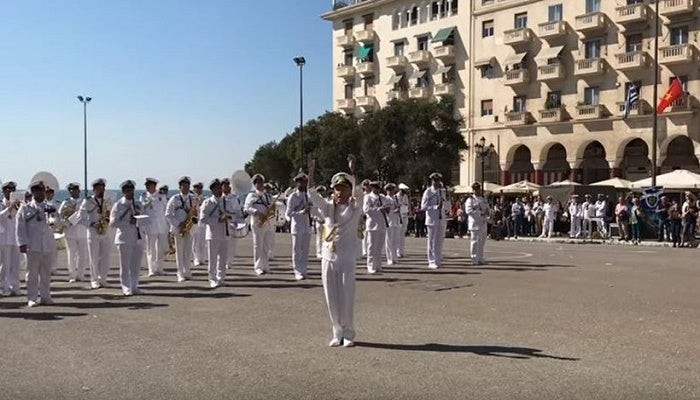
(242, 229)
(48, 178)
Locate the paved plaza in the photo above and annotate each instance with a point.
(540, 321)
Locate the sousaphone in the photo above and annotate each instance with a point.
(49, 181)
(241, 185)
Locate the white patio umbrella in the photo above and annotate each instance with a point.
(522, 187)
(678, 179)
(617, 183)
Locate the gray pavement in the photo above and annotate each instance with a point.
(540, 321)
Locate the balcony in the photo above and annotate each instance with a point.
(346, 72)
(632, 61)
(346, 105)
(446, 53)
(639, 108)
(419, 93)
(397, 63)
(445, 89)
(515, 118)
(365, 69)
(366, 102)
(551, 30)
(670, 8)
(678, 54)
(589, 67)
(345, 41)
(631, 14)
(550, 72)
(517, 77)
(397, 95)
(589, 111)
(365, 37)
(420, 58)
(551, 115)
(514, 37)
(681, 105)
(590, 22)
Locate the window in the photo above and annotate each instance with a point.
(453, 9)
(592, 6)
(553, 100)
(487, 2)
(368, 20)
(633, 43)
(396, 21)
(423, 43)
(368, 86)
(592, 49)
(443, 8)
(518, 104)
(630, 2)
(401, 85)
(683, 79)
(449, 75)
(435, 10)
(637, 84)
(556, 13)
(414, 16)
(487, 28)
(591, 96)
(679, 35)
(348, 26)
(423, 13)
(423, 79)
(398, 48)
(348, 90)
(486, 107)
(347, 57)
(521, 20)
(487, 71)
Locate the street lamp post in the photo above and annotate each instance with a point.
(300, 62)
(85, 100)
(482, 151)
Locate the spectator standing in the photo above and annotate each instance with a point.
(662, 219)
(635, 221)
(517, 212)
(674, 220)
(622, 216)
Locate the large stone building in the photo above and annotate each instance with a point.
(543, 81)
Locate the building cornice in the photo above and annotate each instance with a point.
(500, 5)
(351, 10)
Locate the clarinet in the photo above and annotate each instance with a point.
(398, 207)
(386, 220)
(440, 203)
(306, 203)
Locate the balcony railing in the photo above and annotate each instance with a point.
(346, 104)
(590, 22)
(589, 66)
(345, 71)
(420, 57)
(444, 52)
(444, 89)
(670, 8)
(632, 60)
(365, 68)
(365, 36)
(550, 72)
(397, 95)
(517, 118)
(639, 108)
(551, 115)
(678, 54)
(589, 111)
(517, 76)
(550, 30)
(517, 36)
(397, 62)
(366, 102)
(631, 13)
(345, 41)
(419, 93)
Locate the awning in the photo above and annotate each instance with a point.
(418, 74)
(443, 70)
(365, 51)
(443, 34)
(552, 52)
(395, 79)
(484, 62)
(514, 59)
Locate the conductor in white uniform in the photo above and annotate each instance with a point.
(477, 210)
(436, 206)
(129, 238)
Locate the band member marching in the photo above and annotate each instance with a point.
(261, 206)
(35, 239)
(199, 243)
(9, 249)
(404, 201)
(318, 222)
(233, 207)
(181, 213)
(53, 218)
(376, 206)
(341, 216)
(436, 205)
(129, 238)
(156, 227)
(94, 213)
(218, 231)
(477, 209)
(75, 234)
(299, 212)
(393, 231)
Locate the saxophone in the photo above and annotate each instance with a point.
(330, 235)
(102, 225)
(63, 221)
(190, 221)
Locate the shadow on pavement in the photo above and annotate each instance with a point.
(41, 316)
(522, 353)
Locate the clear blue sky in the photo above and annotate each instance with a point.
(178, 86)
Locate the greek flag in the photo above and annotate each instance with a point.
(631, 100)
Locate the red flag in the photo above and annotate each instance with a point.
(673, 93)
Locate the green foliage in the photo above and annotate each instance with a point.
(402, 142)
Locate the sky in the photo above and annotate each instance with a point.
(179, 87)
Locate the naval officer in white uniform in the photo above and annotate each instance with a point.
(376, 206)
(436, 206)
(298, 211)
(75, 234)
(218, 227)
(177, 211)
(260, 205)
(477, 210)
(129, 238)
(9, 249)
(94, 214)
(156, 229)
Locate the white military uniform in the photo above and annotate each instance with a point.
(338, 262)
(601, 210)
(435, 222)
(375, 227)
(232, 205)
(477, 210)
(34, 232)
(76, 240)
(588, 213)
(393, 232)
(129, 241)
(218, 235)
(550, 212)
(257, 204)
(54, 222)
(99, 246)
(9, 249)
(318, 224)
(575, 213)
(199, 241)
(301, 223)
(156, 230)
(176, 213)
(404, 205)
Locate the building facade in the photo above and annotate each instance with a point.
(543, 81)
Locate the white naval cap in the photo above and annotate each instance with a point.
(257, 177)
(403, 186)
(435, 176)
(151, 180)
(301, 176)
(127, 183)
(183, 179)
(198, 184)
(214, 182)
(9, 184)
(36, 185)
(99, 181)
(73, 185)
(390, 186)
(341, 179)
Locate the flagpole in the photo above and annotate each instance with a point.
(655, 127)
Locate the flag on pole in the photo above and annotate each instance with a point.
(674, 92)
(631, 100)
